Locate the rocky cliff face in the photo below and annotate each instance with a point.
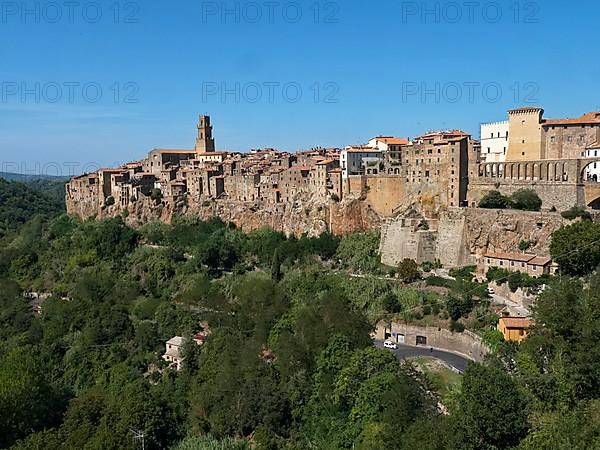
(502, 231)
(461, 235)
(306, 215)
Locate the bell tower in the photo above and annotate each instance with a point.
(204, 141)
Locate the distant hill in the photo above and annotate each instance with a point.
(19, 202)
(28, 178)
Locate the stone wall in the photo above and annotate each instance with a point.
(561, 196)
(404, 237)
(385, 193)
(467, 344)
(462, 235)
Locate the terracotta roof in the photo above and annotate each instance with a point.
(392, 140)
(540, 261)
(167, 150)
(517, 322)
(212, 153)
(325, 162)
(588, 118)
(520, 257)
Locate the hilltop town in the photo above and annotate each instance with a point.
(423, 192)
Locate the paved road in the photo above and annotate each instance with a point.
(407, 351)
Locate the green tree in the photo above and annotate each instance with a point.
(576, 248)
(408, 271)
(492, 412)
(28, 403)
(494, 200)
(276, 266)
(526, 200)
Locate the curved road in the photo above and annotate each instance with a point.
(408, 351)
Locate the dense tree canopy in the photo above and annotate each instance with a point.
(287, 360)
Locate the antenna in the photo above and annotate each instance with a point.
(139, 436)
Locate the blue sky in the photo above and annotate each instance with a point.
(367, 61)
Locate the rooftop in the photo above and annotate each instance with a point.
(517, 322)
(588, 118)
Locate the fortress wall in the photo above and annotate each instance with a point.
(562, 196)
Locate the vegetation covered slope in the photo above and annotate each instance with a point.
(19, 202)
(288, 362)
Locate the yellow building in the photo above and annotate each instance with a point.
(514, 328)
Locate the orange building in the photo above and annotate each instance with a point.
(514, 328)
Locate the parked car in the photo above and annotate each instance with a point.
(390, 344)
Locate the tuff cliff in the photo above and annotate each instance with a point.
(305, 215)
(462, 235)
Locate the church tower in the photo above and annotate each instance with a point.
(204, 141)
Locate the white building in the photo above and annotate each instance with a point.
(358, 160)
(388, 143)
(494, 141)
(592, 171)
(173, 353)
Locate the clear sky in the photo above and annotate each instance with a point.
(361, 67)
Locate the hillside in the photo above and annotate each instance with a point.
(19, 202)
(23, 178)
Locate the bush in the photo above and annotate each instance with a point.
(465, 273)
(494, 200)
(456, 327)
(526, 200)
(493, 339)
(576, 212)
(408, 271)
(110, 201)
(458, 308)
(524, 246)
(428, 266)
(156, 195)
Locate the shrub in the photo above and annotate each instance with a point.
(463, 273)
(493, 339)
(576, 212)
(524, 246)
(526, 200)
(494, 200)
(156, 195)
(456, 327)
(408, 271)
(110, 201)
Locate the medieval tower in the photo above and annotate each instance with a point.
(204, 142)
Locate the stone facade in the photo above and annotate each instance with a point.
(415, 187)
(464, 236)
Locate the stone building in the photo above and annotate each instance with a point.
(534, 138)
(532, 265)
(440, 158)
